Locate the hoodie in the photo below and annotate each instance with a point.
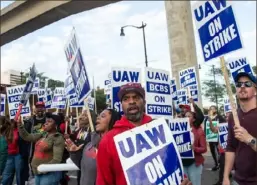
(109, 169)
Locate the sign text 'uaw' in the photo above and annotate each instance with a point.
(149, 155)
(181, 132)
(239, 65)
(14, 95)
(121, 76)
(77, 67)
(217, 28)
(187, 77)
(223, 135)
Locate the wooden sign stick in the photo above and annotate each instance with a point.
(229, 91)
(67, 114)
(89, 116)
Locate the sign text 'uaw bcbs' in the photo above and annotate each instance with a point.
(149, 155)
(158, 93)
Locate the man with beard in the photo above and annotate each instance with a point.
(241, 149)
(109, 169)
(34, 125)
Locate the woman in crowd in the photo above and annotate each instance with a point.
(221, 150)
(48, 149)
(82, 135)
(193, 167)
(214, 145)
(16, 151)
(84, 155)
(3, 144)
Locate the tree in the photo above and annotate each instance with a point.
(51, 82)
(100, 99)
(209, 90)
(254, 70)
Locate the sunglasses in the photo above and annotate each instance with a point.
(246, 84)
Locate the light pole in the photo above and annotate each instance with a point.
(138, 27)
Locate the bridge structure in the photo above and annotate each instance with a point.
(23, 17)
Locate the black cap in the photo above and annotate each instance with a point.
(249, 75)
(56, 118)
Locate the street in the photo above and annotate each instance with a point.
(208, 178)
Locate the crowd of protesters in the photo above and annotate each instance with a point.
(43, 139)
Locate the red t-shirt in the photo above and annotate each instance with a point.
(62, 128)
(13, 147)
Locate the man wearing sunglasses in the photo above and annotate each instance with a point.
(241, 144)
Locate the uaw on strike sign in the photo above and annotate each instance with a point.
(217, 28)
(77, 67)
(149, 155)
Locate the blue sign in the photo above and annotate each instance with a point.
(182, 96)
(194, 92)
(217, 28)
(149, 155)
(223, 134)
(173, 87)
(14, 95)
(74, 101)
(77, 67)
(45, 95)
(59, 99)
(69, 87)
(239, 65)
(187, 77)
(181, 132)
(2, 104)
(227, 107)
(29, 86)
(158, 93)
(121, 76)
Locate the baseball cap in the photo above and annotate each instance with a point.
(40, 104)
(131, 87)
(249, 75)
(187, 107)
(56, 118)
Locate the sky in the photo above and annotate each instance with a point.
(102, 47)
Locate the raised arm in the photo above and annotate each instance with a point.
(58, 149)
(26, 136)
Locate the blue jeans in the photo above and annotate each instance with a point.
(194, 173)
(14, 165)
(50, 178)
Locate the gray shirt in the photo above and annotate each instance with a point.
(86, 160)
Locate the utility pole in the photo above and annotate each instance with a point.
(215, 87)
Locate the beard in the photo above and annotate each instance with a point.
(134, 113)
(243, 96)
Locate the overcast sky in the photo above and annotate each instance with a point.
(98, 32)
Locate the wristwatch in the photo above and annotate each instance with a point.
(252, 142)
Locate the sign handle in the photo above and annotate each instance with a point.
(89, 116)
(18, 112)
(189, 96)
(229, 91)
(67, 114)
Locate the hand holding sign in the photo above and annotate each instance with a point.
(241, 134)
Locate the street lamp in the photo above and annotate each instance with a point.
(21, 76)
(122, 34)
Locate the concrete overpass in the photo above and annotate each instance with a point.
(23, 17)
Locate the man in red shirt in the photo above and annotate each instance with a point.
(109, 169)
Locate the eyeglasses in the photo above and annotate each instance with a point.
(246, 84)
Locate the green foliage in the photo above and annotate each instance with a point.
(254, 68)
(51, 82)
(100, 99)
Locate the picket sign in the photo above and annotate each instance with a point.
(189, 96)
(229, 91)
(89, 116)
